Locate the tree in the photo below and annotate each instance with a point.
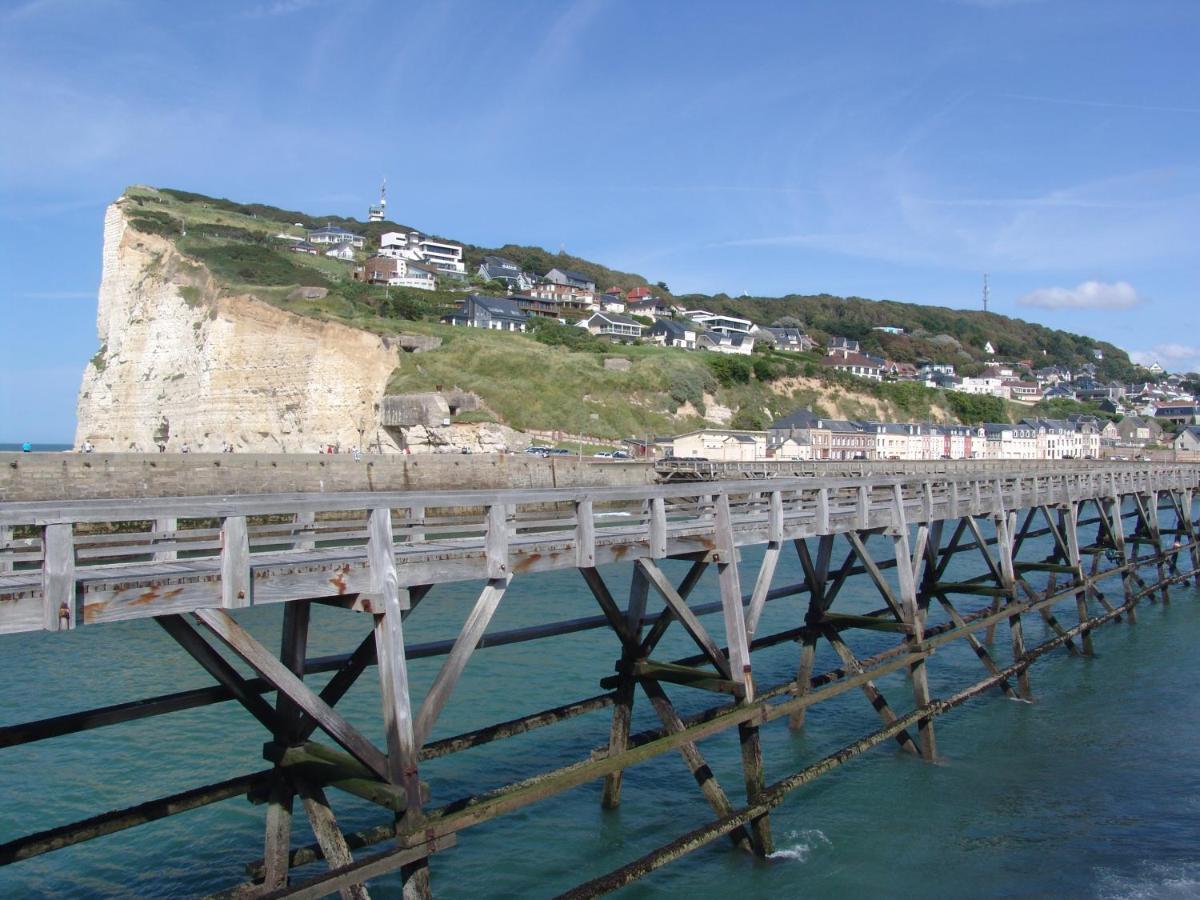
(748, 420)
(729, 370)
(662, 286)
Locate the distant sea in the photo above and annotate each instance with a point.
(37, 448)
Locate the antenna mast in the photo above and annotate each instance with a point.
(985, 292)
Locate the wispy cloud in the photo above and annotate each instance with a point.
(1103, 104)
(280, 8)
(1088, 295)
(1172, 357)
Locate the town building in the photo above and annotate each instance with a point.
(613, 326)
(445, 257)
(1188, 440)
(718, 324)
(494, 313)
(718, 445)
(332, 234)
(674, 333)
(396, 273)
(1186, 413)
(505, 271)
(572, 279)
(855, 364)
(723, 342)
(569, 298)
(792, 339)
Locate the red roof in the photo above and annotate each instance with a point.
(638, 293)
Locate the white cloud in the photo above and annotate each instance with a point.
(1172, 357)
(1089, 295)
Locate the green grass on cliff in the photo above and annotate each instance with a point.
(531, 385)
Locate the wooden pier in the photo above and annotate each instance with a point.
(1119, 535)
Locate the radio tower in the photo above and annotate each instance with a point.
(377, 213)
(985, 292)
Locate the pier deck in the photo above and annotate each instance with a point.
(191, 563)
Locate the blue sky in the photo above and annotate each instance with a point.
(881, 149)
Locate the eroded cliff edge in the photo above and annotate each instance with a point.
(217, 368)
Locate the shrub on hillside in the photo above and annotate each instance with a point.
(689, 386)
(729, 370)
(748, 420)
(555, 334)
(249, 263)
(972, 409)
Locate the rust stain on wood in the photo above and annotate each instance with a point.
(339, 579)
(92, 610)
(526, 562)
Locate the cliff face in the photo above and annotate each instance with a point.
(181, 363)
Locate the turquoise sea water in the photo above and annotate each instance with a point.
(1091, 791)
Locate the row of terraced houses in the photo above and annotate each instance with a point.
(804, 435)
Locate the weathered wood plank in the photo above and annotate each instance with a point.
(236, 584)
(58, 578)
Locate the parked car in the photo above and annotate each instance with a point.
(537, 451)
(559, 451)
(603, 455)
(619, 454)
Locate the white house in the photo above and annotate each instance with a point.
(721, 446)
(734, 344)
(612, 326)
(674, 333)
(445, 257)
(721, 324)
(397, 273)
(332, 234)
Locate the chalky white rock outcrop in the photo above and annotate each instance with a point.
(217, 368)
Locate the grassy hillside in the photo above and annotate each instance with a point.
(556, 379)
(528, 384)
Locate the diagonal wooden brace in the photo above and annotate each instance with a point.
(241, 642)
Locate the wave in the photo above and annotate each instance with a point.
(802, 846)
(1150, 881)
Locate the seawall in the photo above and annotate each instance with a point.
(76, 476)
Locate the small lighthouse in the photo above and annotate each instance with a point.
(379, 213)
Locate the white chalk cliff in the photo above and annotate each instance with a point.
(218, 368)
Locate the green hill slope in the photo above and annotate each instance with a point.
(537, 382)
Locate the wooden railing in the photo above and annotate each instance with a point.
(89, 562)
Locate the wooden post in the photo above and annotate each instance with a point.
(1004, 525)
(277, 845)
(6, 536)
(740, 671)
(58, 577)
(658, 527)
(1116, 530)
(235, 563)
(1068, 523)
(585, 534)
(393, 681)
(168, 524)
(816, 575)
(914, 616)
(618, 737)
